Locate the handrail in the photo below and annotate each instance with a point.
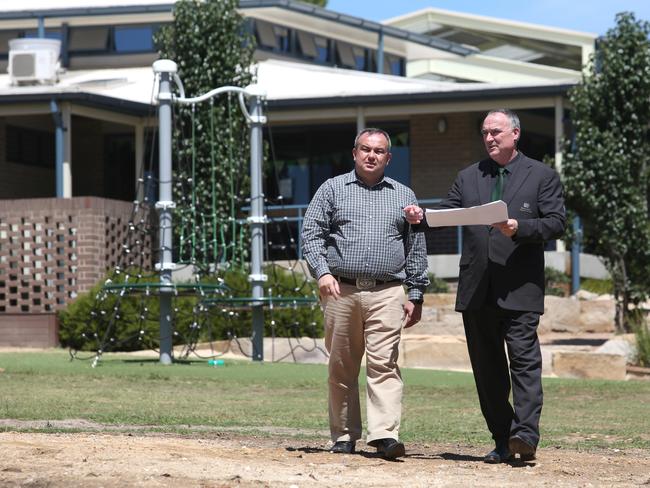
(301, 207)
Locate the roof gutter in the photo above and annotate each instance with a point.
(90, 99)
(419, 98)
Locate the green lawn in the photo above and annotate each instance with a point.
(439, 406)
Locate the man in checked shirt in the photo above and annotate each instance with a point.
(362, 251)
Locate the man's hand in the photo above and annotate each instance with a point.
(412, 314)
(507, 228)
(328, 286)
(413, 214)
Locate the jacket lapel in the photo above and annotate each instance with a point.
(484, 181)
(520, 172)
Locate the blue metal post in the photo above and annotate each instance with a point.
(41, 27)
(575, 255)
(58, 148)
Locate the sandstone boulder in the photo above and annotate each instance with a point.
(567, 364)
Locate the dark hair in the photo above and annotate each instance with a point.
(370, 131)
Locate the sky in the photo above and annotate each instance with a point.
(593, 16)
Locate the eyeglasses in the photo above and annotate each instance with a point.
(379, 151)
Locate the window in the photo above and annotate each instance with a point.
(29, 146)
(134, 38)
(393, 65)
(307, 44)
(49, 34)
(345, 55)
(265, 35)
(88, 38)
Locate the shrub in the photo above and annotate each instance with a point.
(120, 320)
(436, 285)
(643, 345)
(601, 287)
(556, 282)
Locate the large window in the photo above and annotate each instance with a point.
(304, 157)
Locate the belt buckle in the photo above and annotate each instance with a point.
(366, 283)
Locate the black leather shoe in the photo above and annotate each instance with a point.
(500, 454)
(343, 447)
(389, 448)
(519, 446)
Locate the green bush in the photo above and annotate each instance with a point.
(127, 320)
(643, 345)
(436, 285)
(556, 282)
(601, 287)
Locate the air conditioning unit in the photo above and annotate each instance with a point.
(34, 61)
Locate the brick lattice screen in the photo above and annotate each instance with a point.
(53, 249)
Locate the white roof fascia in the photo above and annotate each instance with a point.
(54, 22)
(402, 111)
(34, 6)
(490, 69)
(492, 24)
(423, 20)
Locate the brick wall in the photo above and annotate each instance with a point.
(436, 158)
(53, 249)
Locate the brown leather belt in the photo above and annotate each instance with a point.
(364, 283)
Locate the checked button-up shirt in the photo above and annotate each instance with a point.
(355, 231)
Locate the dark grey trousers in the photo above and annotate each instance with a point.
(486, 330)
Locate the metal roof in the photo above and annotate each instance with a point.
(288, 85)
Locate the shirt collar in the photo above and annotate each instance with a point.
(510, 167)
(352, 177)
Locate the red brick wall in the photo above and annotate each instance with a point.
(436, 158)
(53, 249)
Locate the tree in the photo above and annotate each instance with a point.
(212, 48)
(606, 166)
(319, 3)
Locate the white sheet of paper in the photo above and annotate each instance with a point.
(487, 214)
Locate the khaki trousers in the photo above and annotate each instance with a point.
(367, 322)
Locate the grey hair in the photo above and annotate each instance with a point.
(370, 131)
(514, 119)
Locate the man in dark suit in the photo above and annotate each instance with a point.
(501, 281)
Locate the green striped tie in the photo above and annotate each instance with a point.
(497, 191)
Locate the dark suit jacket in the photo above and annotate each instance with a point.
(508, 269)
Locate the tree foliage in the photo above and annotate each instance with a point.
(606, 166)
(319, 3)
(212, 48)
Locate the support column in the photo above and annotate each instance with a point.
(361, 119)
(575, 255)
(380, 51)
(559, 134)
(257, 220)
(67, 150)
(58, 147)
(164, 205)
(139, 161)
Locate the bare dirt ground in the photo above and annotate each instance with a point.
(109, 459)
